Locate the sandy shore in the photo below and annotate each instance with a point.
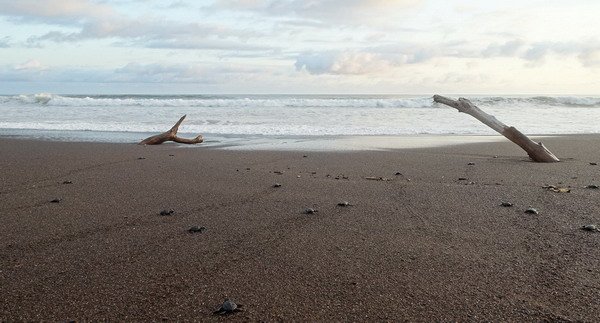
(430, 244)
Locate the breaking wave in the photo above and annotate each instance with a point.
(293, 115)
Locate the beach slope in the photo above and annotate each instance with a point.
(427, 241)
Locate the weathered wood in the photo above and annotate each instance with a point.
(171, 135)
(536, 151)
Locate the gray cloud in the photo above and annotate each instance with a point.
(585, 51)
(5, 42)
(590, 57)
(379, 58)
(58, 12)
(100, 21)
(509, 48)
(33, 71)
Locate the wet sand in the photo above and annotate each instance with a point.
(432, 243)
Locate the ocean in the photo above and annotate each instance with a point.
(236, 120)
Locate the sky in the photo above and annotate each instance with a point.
(300, 47)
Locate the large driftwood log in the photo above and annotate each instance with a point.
(536, 151)
(171, 135)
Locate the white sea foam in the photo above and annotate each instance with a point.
(281, 115)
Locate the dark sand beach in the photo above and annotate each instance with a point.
(430, 244)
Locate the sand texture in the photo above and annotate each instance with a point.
(431, 243)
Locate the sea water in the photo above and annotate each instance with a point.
(234, 120)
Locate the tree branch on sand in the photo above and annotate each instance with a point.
(536, 151)
(171, 135)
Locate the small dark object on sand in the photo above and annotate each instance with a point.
(304, 156)
(141, 157)
(590, 227)
(67, 182)
(593, 186)
(462, 178)
(171, 155)
(344, 203)
(372, 178)
(228, 307)
(471, 163)
(310, 211)
(506, 204)
(56, 201)
(195, 229)
(167, 212)
(398, 174)
(276, 185)
(593, 164)
(531, 211)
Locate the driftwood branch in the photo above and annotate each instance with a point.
(536, 151)
(171, 135)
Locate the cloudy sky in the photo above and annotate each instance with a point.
(300, 46)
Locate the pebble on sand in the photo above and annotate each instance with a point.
(67, 182)
(506, 204)
(310, 211)
(556, 189)
(344, 203)
(276, 185)
(532, 211)
(56, 201)
(593, 186)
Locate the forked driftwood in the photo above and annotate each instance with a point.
(536, 151)
(171, 135)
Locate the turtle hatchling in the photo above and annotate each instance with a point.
(228, 307)
(310, 211)
(195, 229)
(590, 227)
(167, 212)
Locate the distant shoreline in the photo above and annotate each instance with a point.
(255, 142)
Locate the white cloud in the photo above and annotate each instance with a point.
(341, 63)
(32, 64)
(339, 11)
